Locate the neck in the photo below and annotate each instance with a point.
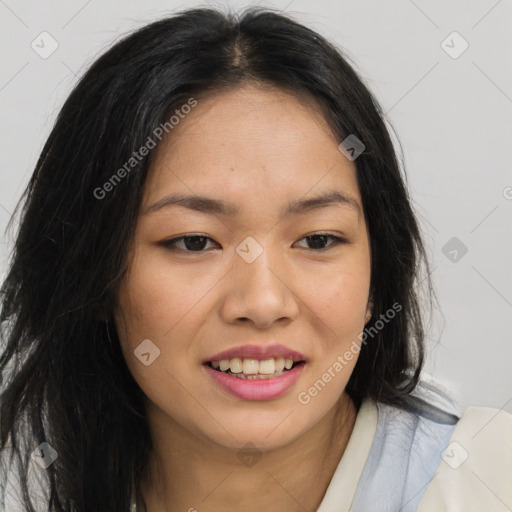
(187, 473)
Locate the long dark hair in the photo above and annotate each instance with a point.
(63, 374)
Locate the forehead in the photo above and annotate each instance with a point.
(251, 144)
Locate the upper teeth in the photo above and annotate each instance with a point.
(253, 366)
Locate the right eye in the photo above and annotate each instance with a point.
(189, 243)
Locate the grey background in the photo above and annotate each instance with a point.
(452, 116)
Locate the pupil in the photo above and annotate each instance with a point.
(191, 243)
(316, 238)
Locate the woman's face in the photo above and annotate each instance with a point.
(254, 279)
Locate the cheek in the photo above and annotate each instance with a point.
(155, 298)
(167, 307)
(157, 304)
(338, 296)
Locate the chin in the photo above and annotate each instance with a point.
(264, 435)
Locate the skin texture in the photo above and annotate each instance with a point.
(259, 148)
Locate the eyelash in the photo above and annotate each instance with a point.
(169, 244)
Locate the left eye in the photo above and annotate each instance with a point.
(320, 239)
(196, 243)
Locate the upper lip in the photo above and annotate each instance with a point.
(258, 352)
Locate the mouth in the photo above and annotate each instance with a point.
(255, 369)
(253, 379)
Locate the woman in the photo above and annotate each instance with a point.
(214, 291)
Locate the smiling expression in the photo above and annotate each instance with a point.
(270, 174)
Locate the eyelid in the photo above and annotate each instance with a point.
(338, 240)
(169, 242)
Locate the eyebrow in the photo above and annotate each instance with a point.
(212, 206)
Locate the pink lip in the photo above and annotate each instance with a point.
(257, 352)
(256, 389)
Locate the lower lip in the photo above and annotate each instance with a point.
(256, 389)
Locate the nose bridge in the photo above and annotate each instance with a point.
(259, 290)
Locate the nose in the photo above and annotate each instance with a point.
(260, 292)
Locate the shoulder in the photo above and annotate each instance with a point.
(423, 422)
(476, 467)
(406, 449)
(428, 453)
